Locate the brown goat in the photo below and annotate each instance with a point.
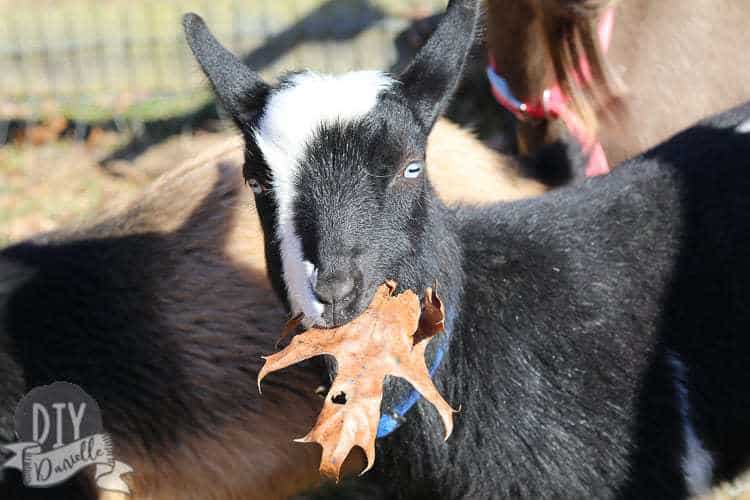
(669, 64)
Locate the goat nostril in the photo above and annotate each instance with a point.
(334, 287)
(344, 287)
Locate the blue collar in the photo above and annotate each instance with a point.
(392, 418)
(501, 88)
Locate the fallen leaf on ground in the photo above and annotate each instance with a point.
(389, 338)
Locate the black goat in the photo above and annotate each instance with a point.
(599, 336)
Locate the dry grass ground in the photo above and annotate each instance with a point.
(44, 187)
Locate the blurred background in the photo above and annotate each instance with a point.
(98, 97)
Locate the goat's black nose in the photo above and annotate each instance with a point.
(334, 287)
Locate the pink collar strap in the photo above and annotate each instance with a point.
(553, 103)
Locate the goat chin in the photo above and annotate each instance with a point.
(216, 304)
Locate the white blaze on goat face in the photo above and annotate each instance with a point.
(290, 119)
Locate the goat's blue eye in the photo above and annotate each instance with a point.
(413, 170)
(255, 186)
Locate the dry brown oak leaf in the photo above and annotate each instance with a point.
(389, 338)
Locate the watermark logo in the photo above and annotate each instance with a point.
(60, 431)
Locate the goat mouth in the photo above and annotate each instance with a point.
(335, 318)
(338, 316)
(431, 306)
(346, 312)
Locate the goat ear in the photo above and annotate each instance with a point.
(239, 89)
(432, 77)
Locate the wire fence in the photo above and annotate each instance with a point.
(93, 60)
